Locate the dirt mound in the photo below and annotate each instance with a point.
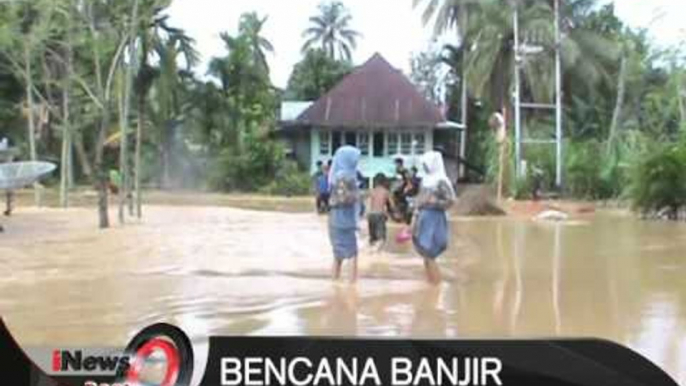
(478, 200)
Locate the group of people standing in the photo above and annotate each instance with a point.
(428, 221)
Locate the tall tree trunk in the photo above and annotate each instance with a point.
(137, 160)
(464, 96)
(125, 191)
(166, 154)
(30, 115)
(66, 159)
(82, 155)
(65, 175)
(123, 150)
(101, 175)
(616, 116)
(681, 97)
(100, 171)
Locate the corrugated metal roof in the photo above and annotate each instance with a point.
(375, 94)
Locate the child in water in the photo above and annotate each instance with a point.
(344, 204)
(430, 221)
(379, 205)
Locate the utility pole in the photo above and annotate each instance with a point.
(558, 96)
(464, 97)
(520, 53)
(517, 94)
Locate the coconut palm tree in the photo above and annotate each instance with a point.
(251, 26)
(446, 14)
(488, 35)
(245, 85)
(158, 40)
(168, 90)
(331, 31)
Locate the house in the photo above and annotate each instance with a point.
(377, 109)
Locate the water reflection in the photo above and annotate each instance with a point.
(340, 312)
(227, 271)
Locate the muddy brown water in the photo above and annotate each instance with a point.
(218, 270)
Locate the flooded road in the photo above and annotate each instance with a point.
(213, 270)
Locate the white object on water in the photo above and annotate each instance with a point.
(15, 175)
(4, 145)
(552, 215)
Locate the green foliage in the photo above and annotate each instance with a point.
(659, 181)
(262, 167)
(522, 188)
(289, 181)
(330, 30)
(480, 139)
(248, 170)
(425, 71)
(316, 74)
(584, 163)
(489, 155)
(251, 26)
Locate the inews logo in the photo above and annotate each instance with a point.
(160, 343)
(65, 360)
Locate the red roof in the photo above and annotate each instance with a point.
(374, 95)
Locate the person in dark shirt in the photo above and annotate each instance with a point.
(363, 186)
(401, 192)
(321, 188)
(415, 182)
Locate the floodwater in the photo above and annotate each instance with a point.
(214, 270)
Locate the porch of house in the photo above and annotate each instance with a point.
(380, 147)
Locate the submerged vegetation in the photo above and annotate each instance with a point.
(105, 85)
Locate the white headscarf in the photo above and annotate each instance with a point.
(344, 164)
(434, 171)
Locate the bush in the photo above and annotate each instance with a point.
(659, 182)
(584, 161)
(592, 171)
(249, 170)
(523, 187)
(289, 181)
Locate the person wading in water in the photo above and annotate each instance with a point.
(430, 231)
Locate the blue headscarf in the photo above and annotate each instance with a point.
(344, 164)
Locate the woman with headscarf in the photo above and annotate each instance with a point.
(345, 209)
(430, 221)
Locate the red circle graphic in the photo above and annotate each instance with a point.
(171, 355)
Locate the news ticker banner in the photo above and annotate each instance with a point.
(162, 355)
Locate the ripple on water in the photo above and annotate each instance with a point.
(229, 271)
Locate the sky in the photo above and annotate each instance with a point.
(390, 27)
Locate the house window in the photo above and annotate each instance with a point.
(350, 138)
(324, 143)
(392, 144)
(379, 144)
(406, 144)
(336, 139)
(420, 143)
(363, 143)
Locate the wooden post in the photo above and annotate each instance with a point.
(497, 123)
